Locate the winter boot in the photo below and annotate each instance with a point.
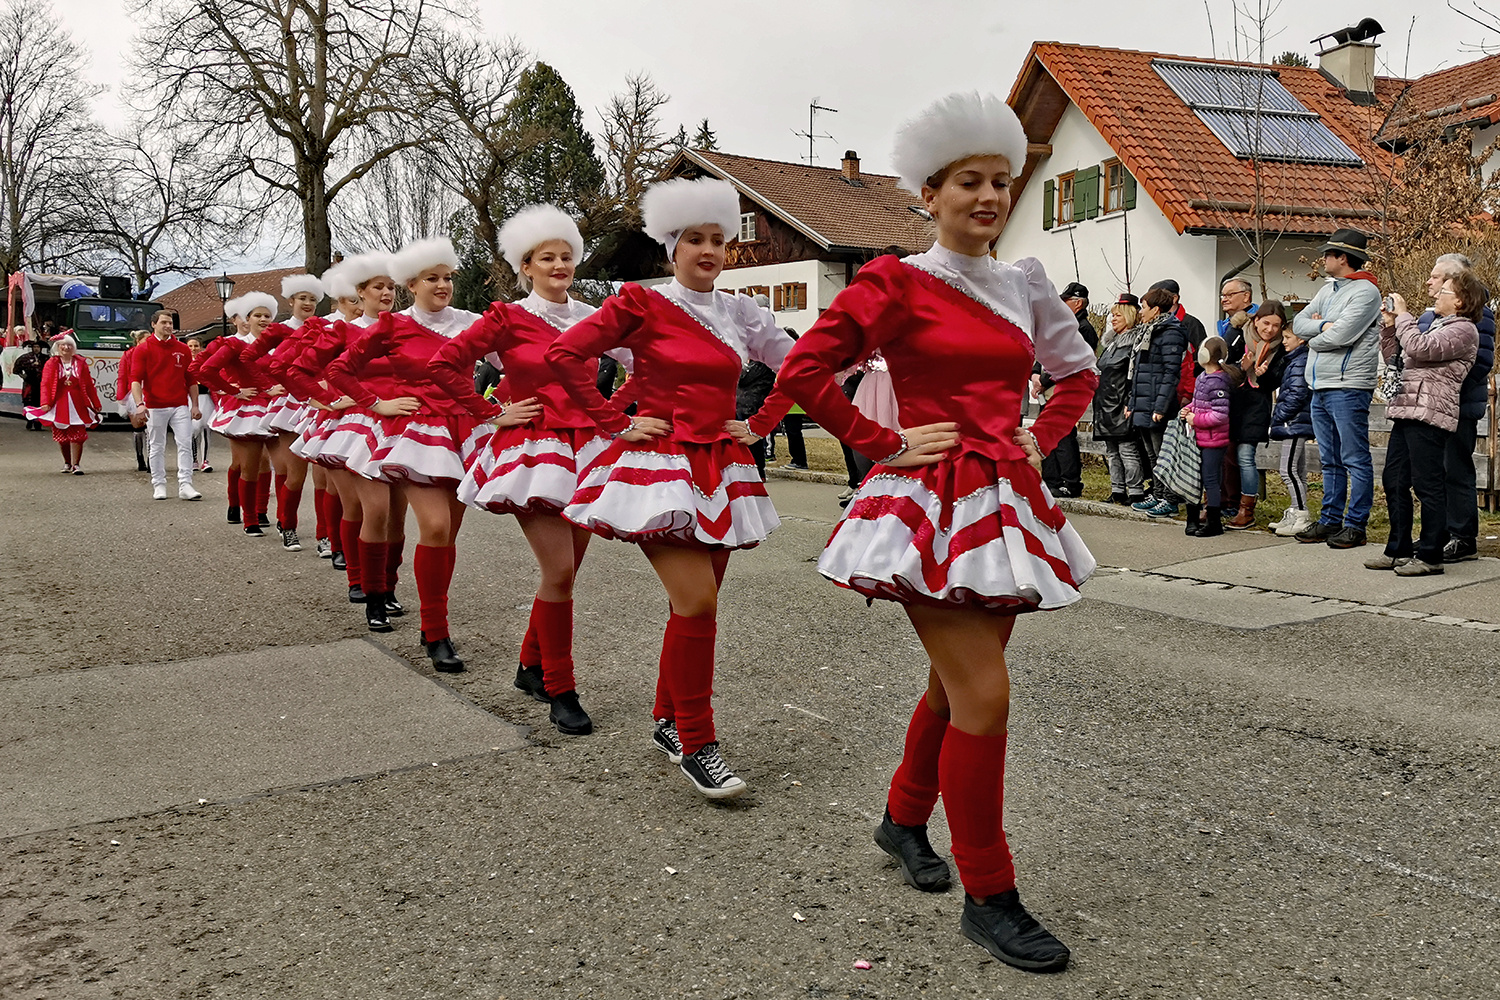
(1212, 526)
(1194, 520)
(1246, 517)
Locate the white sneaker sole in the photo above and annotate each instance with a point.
(672, 755)
(728, 791)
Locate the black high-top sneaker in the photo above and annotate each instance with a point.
(664, 738)
(568, 715)
(709, 773)
(1003, 928)
(375, 616)
(529, 679)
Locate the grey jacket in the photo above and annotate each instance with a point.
(1436, 364)
(1347, 354)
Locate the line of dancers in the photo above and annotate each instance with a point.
(953, 522)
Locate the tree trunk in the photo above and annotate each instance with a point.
(316, 237)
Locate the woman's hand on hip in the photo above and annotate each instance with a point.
(401, 406)
(645, 428)
(925, 445)
(1026, 441)
(740, 431)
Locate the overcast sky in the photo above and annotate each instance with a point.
(752, 68)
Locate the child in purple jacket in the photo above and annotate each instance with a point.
(1208, 415)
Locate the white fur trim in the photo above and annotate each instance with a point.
(337, 283)
(294, 284)
(362, 267)
(422, 255)
(955, 128)
(534, 225)
(232, 307)
(251, 301)
(672, 206)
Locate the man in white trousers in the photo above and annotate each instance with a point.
(161, 383)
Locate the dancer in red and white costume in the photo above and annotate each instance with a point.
(955, 523)
(244, 396)
(69, 402)
(675, 481)
(531, 464)
(285, 413)
(426, 448)
(347, 440)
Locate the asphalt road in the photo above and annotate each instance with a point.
(1301, 811)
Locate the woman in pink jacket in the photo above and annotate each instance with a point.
(1424, 415)
(1208, 416)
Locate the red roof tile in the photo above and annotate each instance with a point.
(1467, 93)
(872, 215)
(197, 303)
(1196, 181)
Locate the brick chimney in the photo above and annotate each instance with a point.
(851, 167)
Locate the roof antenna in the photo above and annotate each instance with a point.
(811, 134)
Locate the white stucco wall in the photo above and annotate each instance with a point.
(824, 280)
(1287, 275)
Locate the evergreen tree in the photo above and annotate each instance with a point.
(705, 137)
(556, 163)
(680, 140)
(1290, 58)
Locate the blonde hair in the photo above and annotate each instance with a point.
(1131, 313)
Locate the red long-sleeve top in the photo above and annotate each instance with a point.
(391, 359)
(305, 374)
(162, 366)
(951, 359)
(219, 367)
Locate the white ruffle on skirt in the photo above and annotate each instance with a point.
(707, 495)
(427, 450)
(240, 418)
(524, 471)
(349, 442)
(989, 547)
(283, 414)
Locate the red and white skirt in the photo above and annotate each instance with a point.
(240, 418)
(426, 449)
(527, 471)
(966, 532)
(659, 490)
(62, 416)
(346, 439)
(283, 415)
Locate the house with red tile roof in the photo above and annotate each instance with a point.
(199, 308)
(805, 230)
(1143, 166)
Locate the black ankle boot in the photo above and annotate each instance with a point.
(444, 659)
(393, 608)
(1212, 526)
(569, 717)
(529, 679)
(234, 515)
(921, 867)
(1003, 928)
(375, 615)
(356, 595)
(339, 563)
(1194, 524)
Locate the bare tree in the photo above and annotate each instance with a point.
(635, 150)
(395, 203)
(293, 88)
(46, 124)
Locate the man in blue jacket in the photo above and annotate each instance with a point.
(1342, 328)
(1458, 462)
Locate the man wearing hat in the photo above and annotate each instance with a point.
(1062, 468)
(1342, 328)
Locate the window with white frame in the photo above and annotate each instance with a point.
(747, 227)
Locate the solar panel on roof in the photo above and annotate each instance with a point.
(1253, 114)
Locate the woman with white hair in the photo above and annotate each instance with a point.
(285, 412)
(347, 440)
(244, 395)
(954, 522)
(675, 481)
(424, 450)
(530, 466)
(69, 402)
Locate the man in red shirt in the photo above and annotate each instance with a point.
(161, 384)
(127, 401)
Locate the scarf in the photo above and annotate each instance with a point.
(1143, 334)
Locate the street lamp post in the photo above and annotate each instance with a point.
(225, 285)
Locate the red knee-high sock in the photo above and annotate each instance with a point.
(372, 557)
(262, 495)
(688, 649)
(286, 507)
(233, 482)
(914, 788)
(393, 562)
(353, 566)
(280, 481)
(333, 518)
(531, 646)
(433, 568)
(971, 771)
(318, 513)
(554, 627)
(247, 500)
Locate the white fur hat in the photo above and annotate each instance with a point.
(534, 225)
(420, 255)
(294, 284)
(232, 307)
(251, 301)
(337, 283)
(672, 206)
(362, 267)
(954, 128)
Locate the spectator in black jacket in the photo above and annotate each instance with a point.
(1062, 468)
(1263, 359)
(1473, 397)
(1155, 368)
(756, 383)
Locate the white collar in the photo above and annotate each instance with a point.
(447, 321)
(560, 314)
(999, 287)
(712, 309)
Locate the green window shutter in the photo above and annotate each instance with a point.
(1049, 203)
(1129, 190)
(1086, 193)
